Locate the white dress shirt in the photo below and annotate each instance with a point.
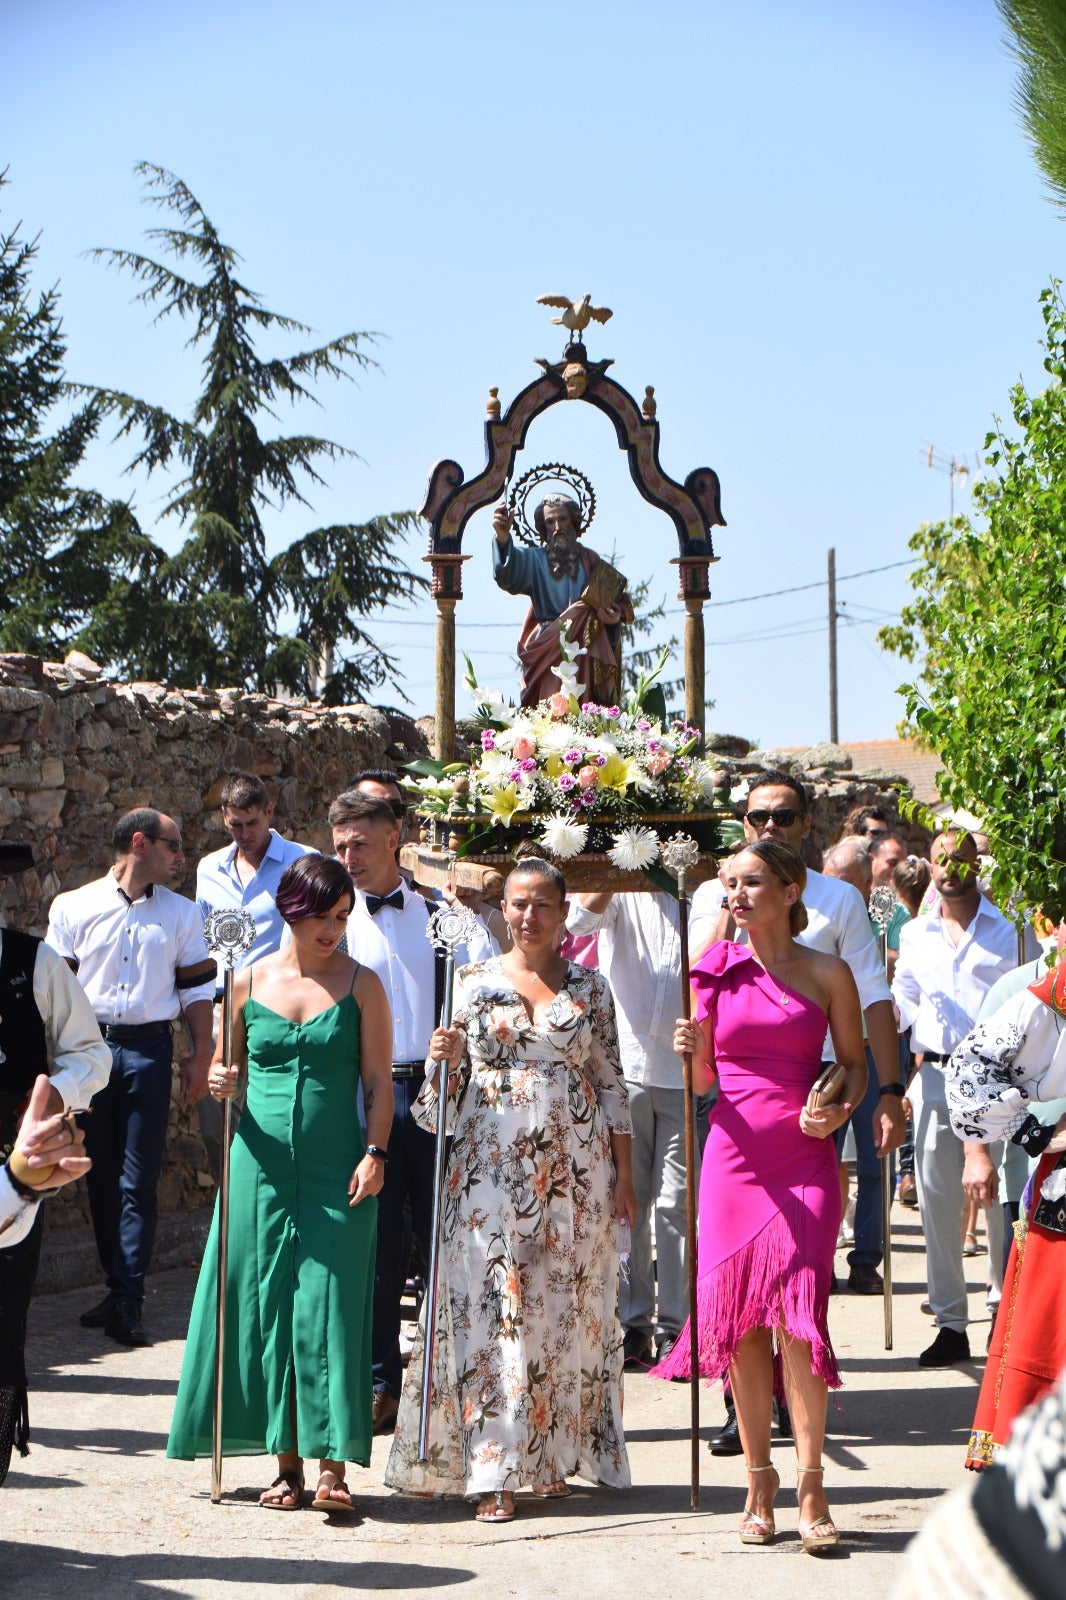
(218, 888)
(393, 944)
(640, 956)
(939, 986)
(80, 1062)
(128, 952)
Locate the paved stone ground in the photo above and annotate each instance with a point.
(96, 1511)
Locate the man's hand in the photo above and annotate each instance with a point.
(194, 1077)
(889, 1124)
(979, 1180)
(49, 1148)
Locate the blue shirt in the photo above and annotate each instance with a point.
(218, 888)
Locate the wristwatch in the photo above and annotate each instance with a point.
(376, 1150)
(897, 1088)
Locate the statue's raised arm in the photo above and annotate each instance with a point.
(567, 584)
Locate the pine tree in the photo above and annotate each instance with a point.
(1039, 45)
(220, 610)
(59, 545)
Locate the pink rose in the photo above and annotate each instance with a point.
(658, 761)
(587, 776)
(560, 704)
(523, 747)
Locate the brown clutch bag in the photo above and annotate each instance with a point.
(826, 1088)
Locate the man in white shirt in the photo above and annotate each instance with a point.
(243, 876)
(138, 950)
(52, 1057)
(640, 955)
(948, 960)
(387, 931)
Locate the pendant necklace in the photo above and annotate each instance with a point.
(784, 998)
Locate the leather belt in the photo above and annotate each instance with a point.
(933, 1059)
(408, 1069)
(128, 1033)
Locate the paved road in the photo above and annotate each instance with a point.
(96, 1511)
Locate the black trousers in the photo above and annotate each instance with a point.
(18, 1274)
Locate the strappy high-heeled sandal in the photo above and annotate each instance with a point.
(814, 1542)
(764, 1529)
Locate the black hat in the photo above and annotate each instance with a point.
(14, 858)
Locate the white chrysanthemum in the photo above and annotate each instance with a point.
(521, 728)
(495, 766)
(563, 838)
(634, 848)
(738, 792)
(558, 737)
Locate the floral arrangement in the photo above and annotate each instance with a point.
(573, 775)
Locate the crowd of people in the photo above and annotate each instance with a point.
(829, 1014)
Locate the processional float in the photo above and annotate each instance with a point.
(664, 806)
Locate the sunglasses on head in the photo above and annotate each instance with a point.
(782, 817)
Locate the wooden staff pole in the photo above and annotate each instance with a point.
(882, 905)
(679, 855)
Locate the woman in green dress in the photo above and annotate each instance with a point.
(310, 1024)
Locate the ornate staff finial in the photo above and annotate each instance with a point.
(883, 903)
(229, 934)
(450, 926)
(680, 853)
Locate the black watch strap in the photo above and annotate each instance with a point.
(376, 1150)
(897, 1088)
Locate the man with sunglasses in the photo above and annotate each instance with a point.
(138, 950)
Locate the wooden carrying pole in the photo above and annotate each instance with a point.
(678, 855)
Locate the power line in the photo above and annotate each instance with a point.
(798, 588)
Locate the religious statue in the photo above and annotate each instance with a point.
(567, 584)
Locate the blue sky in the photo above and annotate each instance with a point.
(819, 227)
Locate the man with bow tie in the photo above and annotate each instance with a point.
(387, 932)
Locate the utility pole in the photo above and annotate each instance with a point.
(834, 728)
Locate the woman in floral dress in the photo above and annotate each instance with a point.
(527, 1357)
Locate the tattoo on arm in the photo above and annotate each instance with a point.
(368, 1099)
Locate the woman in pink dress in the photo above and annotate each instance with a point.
(769, 1195)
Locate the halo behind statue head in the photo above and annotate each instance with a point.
(556, 472)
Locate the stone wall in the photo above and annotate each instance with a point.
(76, 750)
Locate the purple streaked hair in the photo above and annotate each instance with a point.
(310, 886)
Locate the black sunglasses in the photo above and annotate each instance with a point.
(783, 817)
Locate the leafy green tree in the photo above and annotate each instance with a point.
(988, 625)
(59, 545)
(1039, 44)
(221, 610)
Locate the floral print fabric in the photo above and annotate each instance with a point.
(527, 1359)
